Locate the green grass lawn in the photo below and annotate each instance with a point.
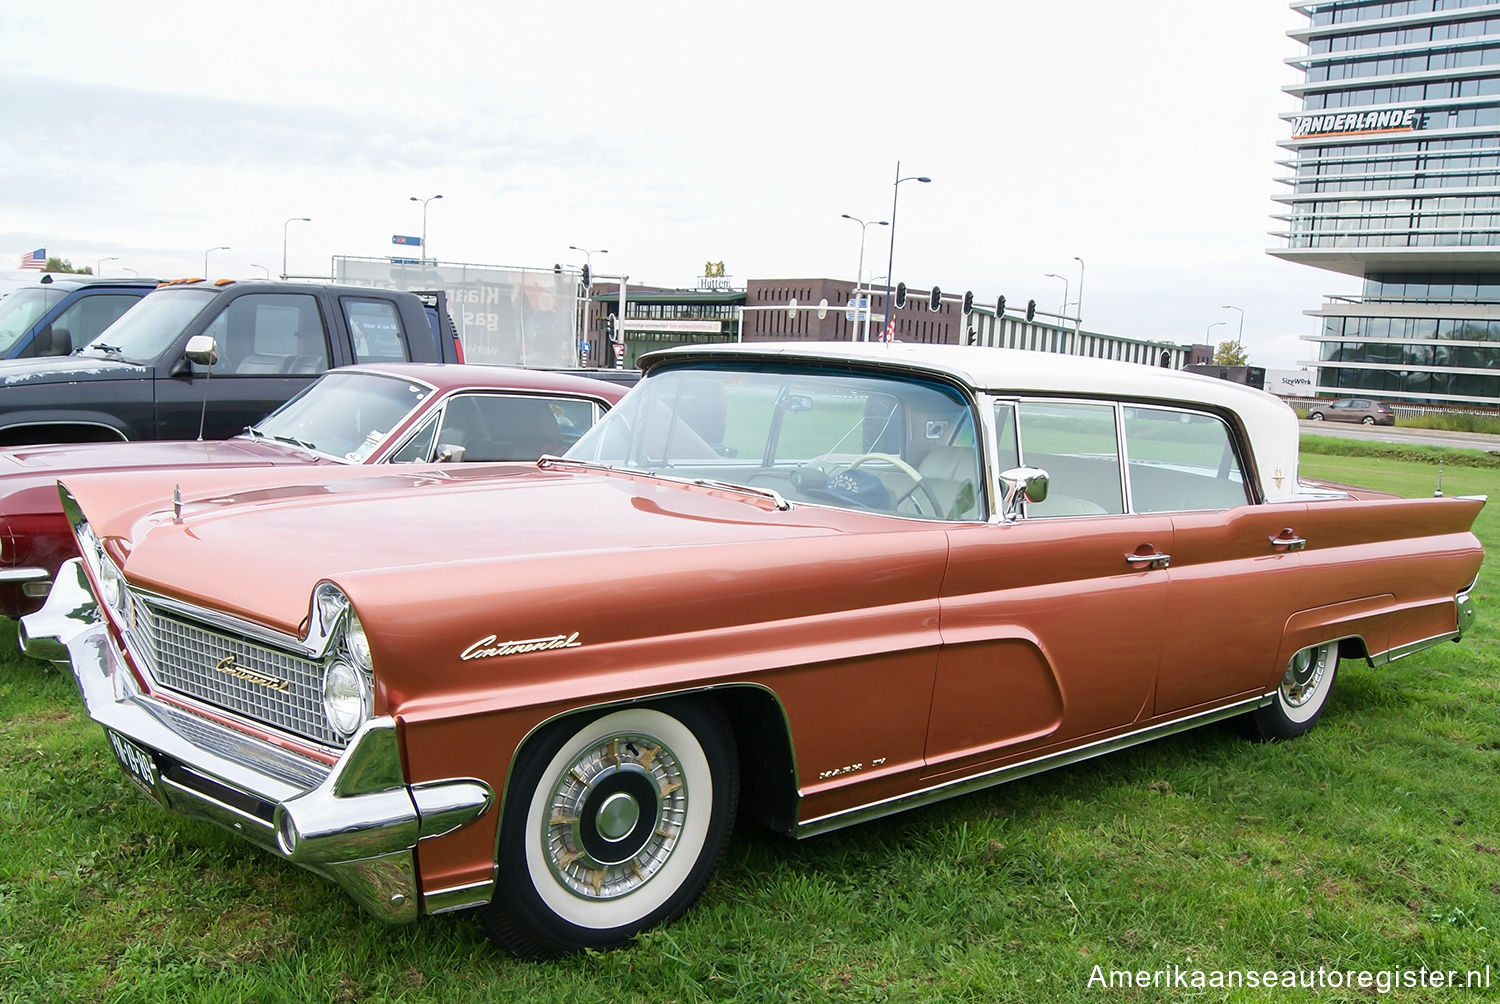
(1371, 844)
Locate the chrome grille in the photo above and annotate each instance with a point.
(183, 655)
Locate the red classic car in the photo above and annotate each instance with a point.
(370, 414)
(810, 584)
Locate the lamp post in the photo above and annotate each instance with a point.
(890, 308)
(263, 269)
(1208, 333)
(588, 271)
(99, 268)
(1064, 312)
(221, 247)
(1239, 339)
(294, 219)
(424, 224)
(1078, 317)
(859, 274)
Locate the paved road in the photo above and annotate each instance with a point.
(1398, 434)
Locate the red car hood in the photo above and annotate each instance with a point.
(29, 470)
(256, 542)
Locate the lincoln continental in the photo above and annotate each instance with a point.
(805, 585)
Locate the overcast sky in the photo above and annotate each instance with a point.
(1140, 137)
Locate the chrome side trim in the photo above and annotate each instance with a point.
(460, 897)
(1013, 772)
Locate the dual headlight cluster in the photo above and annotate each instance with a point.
(106, 573)
(348, 671)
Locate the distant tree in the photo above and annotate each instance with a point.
(1231, 353)
(55, 264)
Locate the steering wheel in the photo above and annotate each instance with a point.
(911, 472)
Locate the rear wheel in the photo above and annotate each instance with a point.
(1367, 420)
(612, 825)
(1301, 696)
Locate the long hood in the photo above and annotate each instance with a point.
(438, 535)
(67, 369)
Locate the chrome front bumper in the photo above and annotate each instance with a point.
(356, 822)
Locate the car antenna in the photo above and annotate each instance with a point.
(1439, 493)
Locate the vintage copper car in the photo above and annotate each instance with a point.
(808, 584)
(369, 414)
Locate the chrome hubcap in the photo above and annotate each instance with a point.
(615, 816)
(1303, 675)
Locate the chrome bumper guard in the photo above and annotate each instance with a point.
(356, 822)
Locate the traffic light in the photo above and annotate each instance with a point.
(973, 335)
(934, 299)
(611, 328)
(1000, 308)
(968, 302)
(900, 295)
(586, 277)
(1030, 311)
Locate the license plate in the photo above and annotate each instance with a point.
(138, 763)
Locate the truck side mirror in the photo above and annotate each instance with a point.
(56, 341)
(202, 350)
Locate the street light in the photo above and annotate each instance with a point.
(859, 275)
(221, 247)
(1078, 317)
(588, 268)
(263, 269)
(890, 307)
(1239, 339)
(294, 219)
(424, 224)
(1064, 312)
(1208, 333)
(99, 268)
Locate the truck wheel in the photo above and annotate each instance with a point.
(612, 825)
(1301, 696)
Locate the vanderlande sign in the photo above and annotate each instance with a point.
(1391, 120)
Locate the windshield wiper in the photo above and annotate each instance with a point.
(292, 441)
(107, 350)
(252, 432)
(777, 499)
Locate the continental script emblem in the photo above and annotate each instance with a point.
(488, 647)
(228, 667)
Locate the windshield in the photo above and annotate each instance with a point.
(896, 445)
(21, 309)
(344, 415)
(144, 331)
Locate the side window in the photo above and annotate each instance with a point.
(92, 314)
(1181, 461)
(1077, 446)
(376, 329)
(270, 333)
(499, 427)
(1007, 453)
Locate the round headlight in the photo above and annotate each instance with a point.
(358, 644)
(343, 697)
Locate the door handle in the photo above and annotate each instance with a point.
(1147, 557)
(1288, 539)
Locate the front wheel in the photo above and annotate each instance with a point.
(612, 825)
(1316, 416)
(1367, 420)
(1301, 696)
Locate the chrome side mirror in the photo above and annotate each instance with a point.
(1020, 485)
(449, 453)
(202, 350)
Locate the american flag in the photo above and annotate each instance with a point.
(35, 259)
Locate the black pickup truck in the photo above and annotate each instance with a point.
(136, 379)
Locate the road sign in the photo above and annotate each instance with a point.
(403, 239)
(405, 261)
(890, 329)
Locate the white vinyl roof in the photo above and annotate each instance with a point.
(1268, 424)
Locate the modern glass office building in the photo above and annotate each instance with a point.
(1394, 161)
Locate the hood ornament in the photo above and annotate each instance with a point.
(177, 503)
